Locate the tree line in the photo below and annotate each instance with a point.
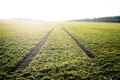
(101, 19)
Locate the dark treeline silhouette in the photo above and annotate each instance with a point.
(101, 19)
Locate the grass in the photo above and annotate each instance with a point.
(16, 40)
(97, 37)
(56, 60)
(60, 58)
(103, 41)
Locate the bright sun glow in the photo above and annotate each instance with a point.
(58, 10)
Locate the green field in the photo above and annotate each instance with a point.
(59, 51)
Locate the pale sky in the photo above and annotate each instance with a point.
(58, 10)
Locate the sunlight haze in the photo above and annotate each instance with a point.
(58, 10)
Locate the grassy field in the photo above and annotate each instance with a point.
(103, 41)
(16, 40)
(60, 57)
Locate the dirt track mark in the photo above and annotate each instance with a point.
(79, 44)
(29, 57)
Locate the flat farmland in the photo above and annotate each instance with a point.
(103, 41)
(60, 51)
(16, 40)
(98, 38)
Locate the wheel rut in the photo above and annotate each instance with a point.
(33, 51)
(79, 44)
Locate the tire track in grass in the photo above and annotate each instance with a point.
(29, 57)
(79, 44)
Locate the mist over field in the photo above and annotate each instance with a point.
(59, 40)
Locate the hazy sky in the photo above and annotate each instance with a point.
(58, 10)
